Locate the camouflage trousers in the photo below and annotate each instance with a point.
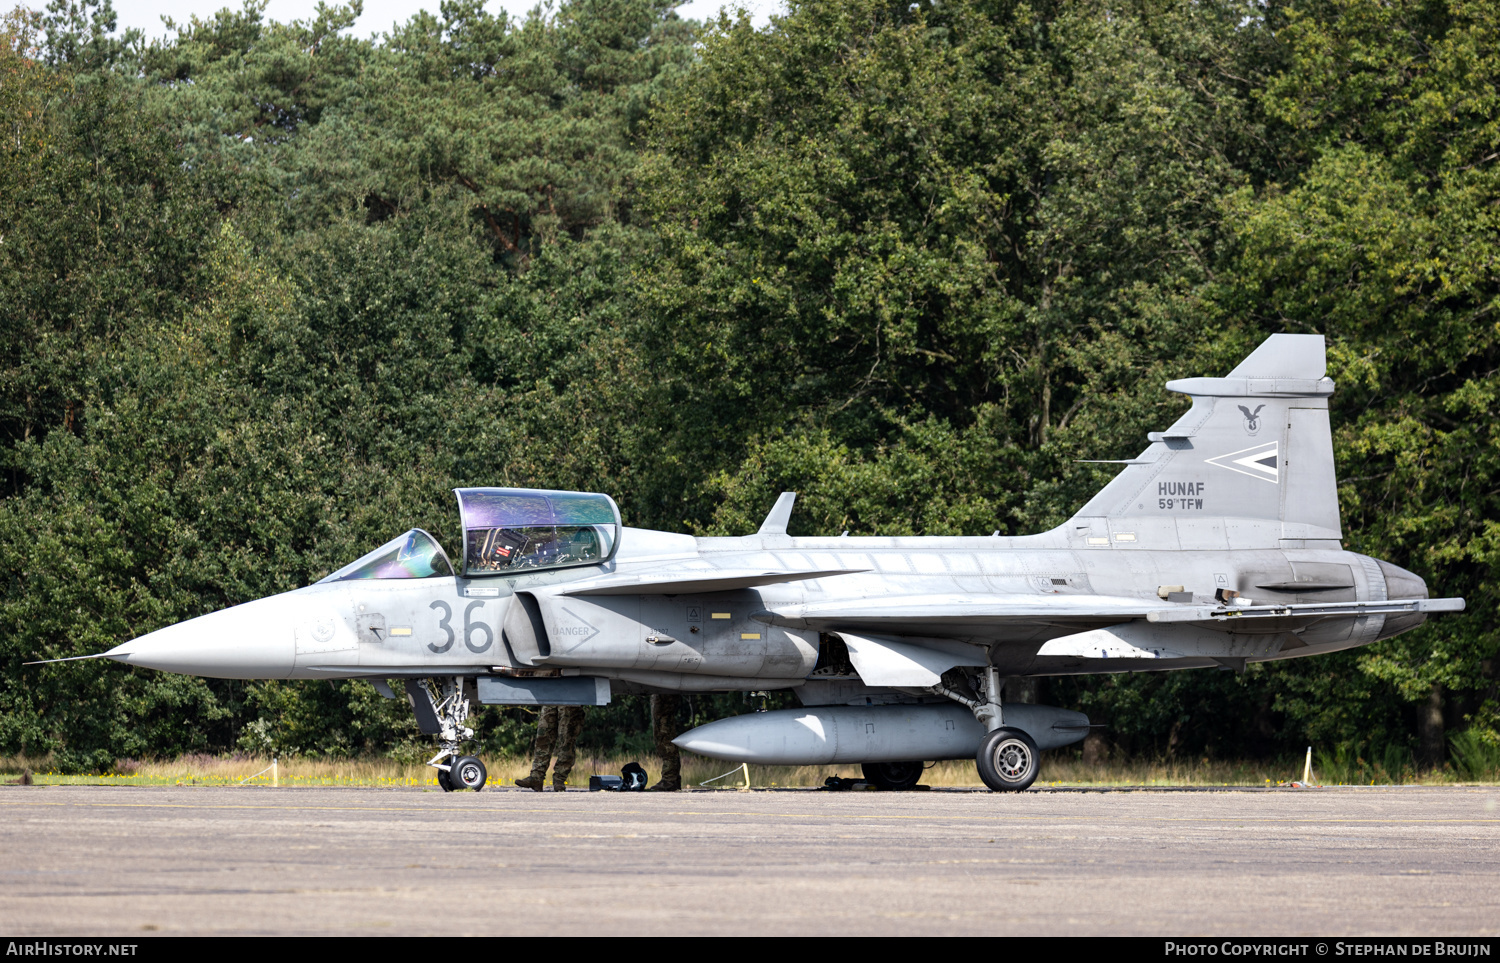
(557, 730)
(664, 728)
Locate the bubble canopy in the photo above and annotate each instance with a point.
(519, 529)
(415, 554)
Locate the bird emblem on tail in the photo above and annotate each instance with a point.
(1252, 419)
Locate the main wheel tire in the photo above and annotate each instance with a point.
(467, 773)
(1008, 760)
(444, 781)
(892, 775)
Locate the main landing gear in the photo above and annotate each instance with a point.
(893, 775)
(1008, 759)
(442, 708)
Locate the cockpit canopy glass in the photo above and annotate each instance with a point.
(515, 529)
(413, 555)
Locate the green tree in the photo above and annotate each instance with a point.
(892, 232)
(1385, 240)
(79, 36)
(531, 119)
(103, 231)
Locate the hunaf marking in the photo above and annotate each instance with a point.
(1170, 496)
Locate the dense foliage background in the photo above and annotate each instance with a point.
(267, 292)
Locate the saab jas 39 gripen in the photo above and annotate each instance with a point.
(1217, 546)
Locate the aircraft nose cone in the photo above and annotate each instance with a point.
(250, 641)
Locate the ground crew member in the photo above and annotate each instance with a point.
(664, 727)
(558, 727)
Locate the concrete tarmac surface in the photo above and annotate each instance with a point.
(120, 861)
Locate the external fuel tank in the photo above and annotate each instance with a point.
(823, 735)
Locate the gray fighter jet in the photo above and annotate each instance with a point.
(1217, 546)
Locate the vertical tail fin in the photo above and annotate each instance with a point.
(1249, 466)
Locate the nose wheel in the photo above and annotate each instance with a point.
(467, 772)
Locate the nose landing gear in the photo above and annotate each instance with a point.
(444, 715)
